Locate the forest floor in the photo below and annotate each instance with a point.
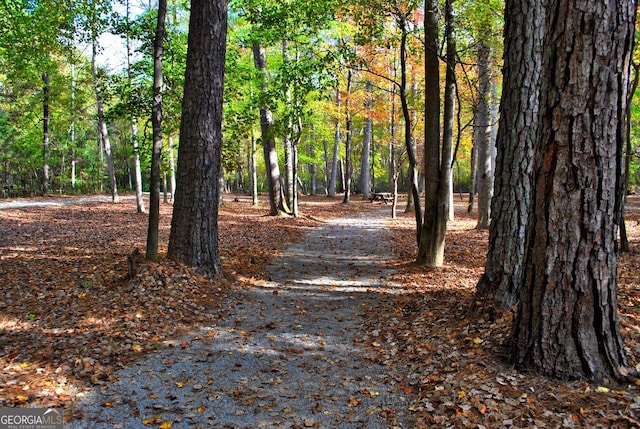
(70, 317)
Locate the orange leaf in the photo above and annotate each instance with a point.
(354, 402)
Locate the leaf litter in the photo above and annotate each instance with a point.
(71, 319)
(454, 359)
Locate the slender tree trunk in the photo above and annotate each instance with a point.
(165, 192)
(347, 144)
(626, 160)
(72, 131)
(134, 127)
(434, 227)
(500, 284)
(327, 171)
(73, 168)
(567, 322)
(172, 168)
(365, 179)
(253, 170)
(45, 133)
(408, 133)
(194, 226)
(102, 128)
(268, 139)
(156, 122)
(446, 165)
(414, 117)
(336, 151)
(483, 112)
(474, 174)
(394, 168)
(221, 187)
(312, 168)
(296, 179)
(289, 156)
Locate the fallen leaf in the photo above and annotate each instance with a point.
(354, 402)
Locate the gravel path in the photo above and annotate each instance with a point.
(286, 355)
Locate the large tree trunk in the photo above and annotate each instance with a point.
(268, 139)
(483, 116)
(434, 227)
(567, 323)
(194, 226)
(524, 35)
(156, 122)
(102, 128)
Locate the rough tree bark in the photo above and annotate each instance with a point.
(567, 323)
(434, 227)
(194, 226)
(499, 286)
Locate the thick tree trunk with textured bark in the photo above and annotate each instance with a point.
(500, 284)
(434, 227)
(194, 226)
(567, 323)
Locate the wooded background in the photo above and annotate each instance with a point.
(333, 70)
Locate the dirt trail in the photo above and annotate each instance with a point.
(285, 355)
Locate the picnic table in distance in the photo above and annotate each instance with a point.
(381, 196)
